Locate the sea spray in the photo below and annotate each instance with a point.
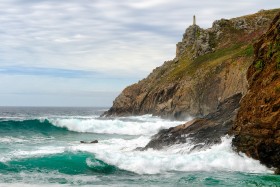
(140, 125)
(45, 150)
(219, 157)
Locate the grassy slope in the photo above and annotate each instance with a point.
(230, 47)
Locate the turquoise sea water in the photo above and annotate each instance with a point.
(41, 147)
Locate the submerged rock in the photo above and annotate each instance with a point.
(94, 141)
(91, 142)
(201, 131)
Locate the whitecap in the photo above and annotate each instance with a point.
(9, 139)
(220, 157)
(141, 125)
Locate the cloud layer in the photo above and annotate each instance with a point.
(97, 40)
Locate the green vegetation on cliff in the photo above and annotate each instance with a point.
(210, 66)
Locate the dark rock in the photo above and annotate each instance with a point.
(202, 131)
(277, 171)
(197, 39)
(94, 141)
(139, 149)
(240, 24)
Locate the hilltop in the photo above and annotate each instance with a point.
(210, 66)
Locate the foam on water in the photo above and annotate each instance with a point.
(21, 139)
(36, 152)
(217, 158)
(47, 150)
(121, 152)
(8, 139)
(141, 125)
(112, 152)
(28, 179)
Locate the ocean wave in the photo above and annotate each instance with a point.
(219, 157)
(9, 139)
(29, 154)
(23, 139)
(45, 179)
(141, 125)
(27, 126)
(100, 166)
(119, 154)
(68, 162)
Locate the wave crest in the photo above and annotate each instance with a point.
(141, 125)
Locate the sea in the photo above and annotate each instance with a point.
(41, 146)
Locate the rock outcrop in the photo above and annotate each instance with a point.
(201, 132)
(210, 66)
(197, 40)
(257, 127)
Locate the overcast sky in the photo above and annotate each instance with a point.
(84, 52)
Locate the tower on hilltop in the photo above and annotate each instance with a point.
(194, 20)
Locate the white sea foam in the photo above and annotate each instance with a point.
(36, 152)
(42, 179)
(178, 158)
(121, 152)
(9, 139)
(43, 118)
(141, 125)
(23, 139)
(12, 118)
(47, 150)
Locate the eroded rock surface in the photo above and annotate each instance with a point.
(210, 66)
(202, 132)
(257, 128)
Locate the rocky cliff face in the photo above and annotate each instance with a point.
(210, 66)
(201, 132)
(257, 128)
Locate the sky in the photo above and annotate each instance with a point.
(85, 52)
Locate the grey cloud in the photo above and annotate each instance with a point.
(112, 38)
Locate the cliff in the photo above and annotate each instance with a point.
(257, 127)
(210, 66)
(201, 132)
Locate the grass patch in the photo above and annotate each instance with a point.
(212, 39)
(187, 67)
(270, 51)
(259, 65)
(277, 45)
(278, 61)
(180, 69)
(197, 33)
(217, 54)
(247, 52)
(277, 89)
